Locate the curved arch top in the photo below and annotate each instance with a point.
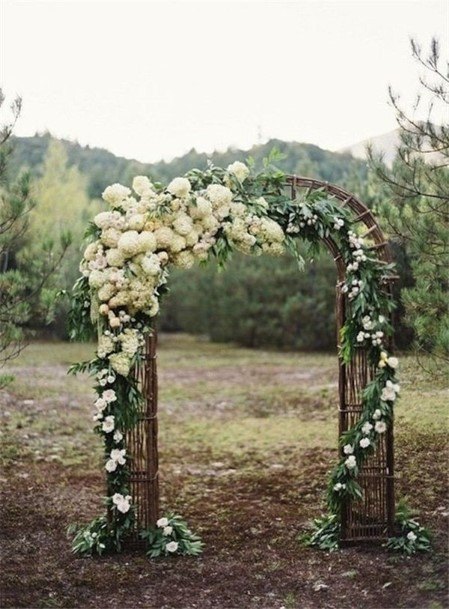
(361, 214)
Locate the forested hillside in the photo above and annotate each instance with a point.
(255, 302)
(101, 167)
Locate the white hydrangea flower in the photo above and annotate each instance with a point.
(115, 257)
(142, 186)
(105, 346)
(183, 224)
(121, 363)
(201, 209)
(128, 244)
(351, 462)
(146, 242)
(136, 222)
(239, 170)
(179, 187)
(151, 265)
(162, 523)
(106, 292)
(172, 546)
(164, 236)
(108, 424)
(91, 251)
(116, 194)
(184, 260)
(219, 195)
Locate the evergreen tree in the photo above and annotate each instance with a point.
(24, 281)
(416, 194)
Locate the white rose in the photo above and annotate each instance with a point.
(393, 362)
(124, 505)
(100, 404)
(366, 428)
(111, 465)
(168, 531)
(348, 449)
(109, 395)
(118, 455)
(162, 522)
(179, 187)
(364, 442)
(108, 424)
(380, 427)
(239, 170)
(411, 536)
(351, 462)
(172, 546)
(118, 436)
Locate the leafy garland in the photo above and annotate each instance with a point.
(208, 214)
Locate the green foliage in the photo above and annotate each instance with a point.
(411, 536)
(171, 536)
(325, 535)
(413, 197)
(26, 292)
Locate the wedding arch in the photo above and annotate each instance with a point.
(204, 215)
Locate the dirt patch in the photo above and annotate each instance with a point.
(249, 501)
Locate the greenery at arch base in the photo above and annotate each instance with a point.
(124, 274)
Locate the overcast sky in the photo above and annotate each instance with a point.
(151, 80)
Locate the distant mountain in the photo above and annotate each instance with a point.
(101, 167)
(387, 143)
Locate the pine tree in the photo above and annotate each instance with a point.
(24, 283)
(415, 194)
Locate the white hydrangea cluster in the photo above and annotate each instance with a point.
(145, 232)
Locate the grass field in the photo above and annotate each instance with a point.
(246, 440)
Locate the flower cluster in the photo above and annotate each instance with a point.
(171, 536)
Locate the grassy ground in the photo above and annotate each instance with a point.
(246, 441)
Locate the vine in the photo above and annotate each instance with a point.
(125, 268)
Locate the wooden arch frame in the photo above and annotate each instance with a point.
(367, 520)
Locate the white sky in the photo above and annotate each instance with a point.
(151, 80)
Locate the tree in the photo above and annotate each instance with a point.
(415, 191)
(25, 290)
